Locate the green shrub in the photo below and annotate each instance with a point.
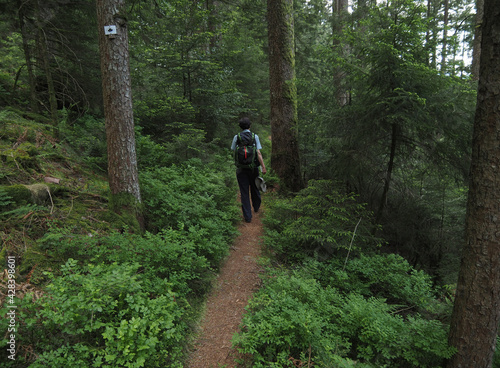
(159, 116)
(294, 317)
(101, 315)
(87, 136)
(285, 319)
(169, 255)
(5, 200)
(19, 194)
(195, 197)
(151, 154)
(387, 276)
(319, 222)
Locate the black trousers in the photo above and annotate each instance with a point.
(248, 189)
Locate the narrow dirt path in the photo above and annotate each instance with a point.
(237, 281)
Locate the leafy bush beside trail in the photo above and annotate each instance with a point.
(103, 315)
(347, 307)
(318, 223)
(294, 317)
(128, 300)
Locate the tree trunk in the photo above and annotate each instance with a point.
(430, 36)
(474, 323)
(285, 159)
(340, 12)
(476, 52)
(117, 96)
(27, 55)
(43, 52)
(444, 50)
(212, 24)
(388, 177)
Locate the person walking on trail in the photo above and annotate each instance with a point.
(248, 158)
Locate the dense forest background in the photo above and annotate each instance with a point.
(386, 96)
(383, 90)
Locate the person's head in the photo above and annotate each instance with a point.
(244, 123)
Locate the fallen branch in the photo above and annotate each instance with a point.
(350, 245)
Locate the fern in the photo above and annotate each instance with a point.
(5, 199)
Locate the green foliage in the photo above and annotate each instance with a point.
(151, 154)
(101, 310)
(5, 199)
(318, 222)
(101, 316)
(293, 316)
(196, 66)
(87, 136)
(12, 89)
(348, 308)
(382, 66)
(170, 255)
(193, 197)
(112, 313)
(383, 276)
(285, 318)
(183, 61)
(159, 116)
(19, 194)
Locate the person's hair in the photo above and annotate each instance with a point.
(244, 123)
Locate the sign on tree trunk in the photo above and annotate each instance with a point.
(117, 96)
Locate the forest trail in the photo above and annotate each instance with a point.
(237, 281)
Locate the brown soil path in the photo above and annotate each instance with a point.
(237, 281)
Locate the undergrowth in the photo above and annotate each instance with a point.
(333, 299)
(92, 291)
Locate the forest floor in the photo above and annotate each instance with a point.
(237, 281)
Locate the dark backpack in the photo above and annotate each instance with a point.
(245, 154)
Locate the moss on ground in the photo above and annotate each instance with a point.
(45, 185)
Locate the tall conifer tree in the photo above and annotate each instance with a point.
(117, 95)
(285, 148)
(476, 313)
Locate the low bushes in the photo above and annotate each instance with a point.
(295, 317)
(103, 315)
(127, 300)
(346, 307)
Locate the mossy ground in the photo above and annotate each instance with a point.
(29, 206)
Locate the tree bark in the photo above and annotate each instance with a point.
(44, 56)
(476, 51)
(340, 10)
(430, 36)
(388, 175)
(444, 50)
(27, 55)
(285, 159)
(476, 313)
(117, 96)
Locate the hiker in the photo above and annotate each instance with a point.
(248, 159)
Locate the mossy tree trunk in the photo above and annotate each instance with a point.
(340, 12)
(388, 176)
(117, 97)
(285, 159)
(444, 49)
(476, 313)
(25, 34)
(476, 53)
